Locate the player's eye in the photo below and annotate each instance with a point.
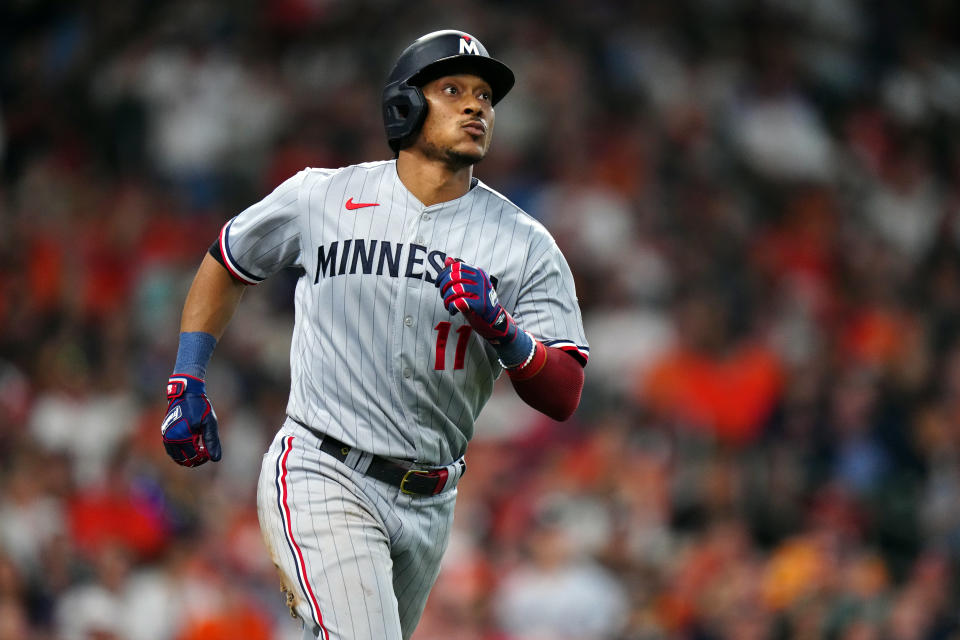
(450, 90)
(486, 96)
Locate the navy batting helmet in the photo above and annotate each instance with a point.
(430, 57)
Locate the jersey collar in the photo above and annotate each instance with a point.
(416, 204)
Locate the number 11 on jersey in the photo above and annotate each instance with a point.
(443, 331)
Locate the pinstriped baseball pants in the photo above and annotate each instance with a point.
(356, 556)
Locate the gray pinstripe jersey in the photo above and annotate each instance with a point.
(376, 361)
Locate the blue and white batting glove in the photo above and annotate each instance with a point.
(189, 429)
(468, 290)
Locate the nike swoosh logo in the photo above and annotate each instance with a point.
(351, 205)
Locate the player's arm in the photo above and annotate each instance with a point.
(189, 429)
(212, 299)
(547, 379)
(550, 382)
(190, 426)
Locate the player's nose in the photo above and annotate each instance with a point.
(472, 105)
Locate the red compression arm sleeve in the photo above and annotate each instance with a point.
(551, 383)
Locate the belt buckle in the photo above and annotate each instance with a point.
(406, 477)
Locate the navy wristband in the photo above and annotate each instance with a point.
(193, 354)
(517, 352)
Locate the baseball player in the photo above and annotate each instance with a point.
(420, 285)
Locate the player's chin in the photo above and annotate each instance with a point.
(465, 156)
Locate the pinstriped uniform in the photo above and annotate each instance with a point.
(378, 363)
(357, 556)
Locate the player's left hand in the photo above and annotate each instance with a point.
(468, 290)
(189, 429)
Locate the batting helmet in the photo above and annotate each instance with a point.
(429, 57)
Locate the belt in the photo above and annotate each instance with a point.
(418, 482)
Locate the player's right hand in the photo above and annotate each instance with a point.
(189, 429)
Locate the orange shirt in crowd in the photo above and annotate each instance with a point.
(730, 395)
(242, 623)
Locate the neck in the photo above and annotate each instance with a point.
(432, 181)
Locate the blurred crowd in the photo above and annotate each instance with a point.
(759, 199)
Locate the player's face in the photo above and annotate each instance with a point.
(459, 123)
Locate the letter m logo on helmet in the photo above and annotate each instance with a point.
(469, 45)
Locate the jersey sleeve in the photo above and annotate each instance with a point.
(265, 237)
(547, 306)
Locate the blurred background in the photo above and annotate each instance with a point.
(760, 200)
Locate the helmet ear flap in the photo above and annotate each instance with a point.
(404, 110)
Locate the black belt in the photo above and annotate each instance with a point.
(420, 482)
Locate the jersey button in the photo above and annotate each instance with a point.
(408, 321)
(419, 239)
(426, 216)
(407, 372)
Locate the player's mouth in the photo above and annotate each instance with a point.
(476, 128)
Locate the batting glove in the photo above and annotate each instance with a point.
(189, 429)
(468, 290)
